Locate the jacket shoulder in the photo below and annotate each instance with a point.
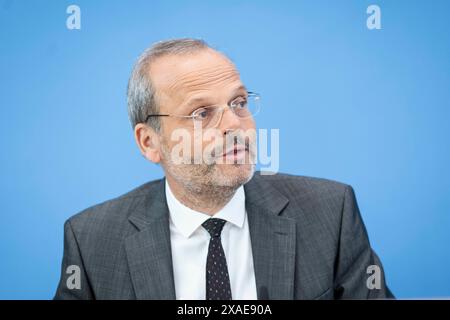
(112, 211)
(311, 200)
(306, 185)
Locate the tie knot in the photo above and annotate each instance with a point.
(214, 226)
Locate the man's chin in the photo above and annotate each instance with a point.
(234, 175)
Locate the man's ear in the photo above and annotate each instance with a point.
(148, 142)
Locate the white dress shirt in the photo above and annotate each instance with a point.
(189, 242)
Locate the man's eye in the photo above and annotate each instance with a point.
(201, 114)
(241, 103)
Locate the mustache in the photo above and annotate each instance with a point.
(211, 147)
(236, 142)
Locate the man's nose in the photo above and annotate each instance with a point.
(230, 120)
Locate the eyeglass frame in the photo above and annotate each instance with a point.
(254, 94)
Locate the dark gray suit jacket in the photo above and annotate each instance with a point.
(307, 237)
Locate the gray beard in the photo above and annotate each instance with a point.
(204, 185)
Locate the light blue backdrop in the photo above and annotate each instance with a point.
(365, 107)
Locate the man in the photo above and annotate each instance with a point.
(214, 229)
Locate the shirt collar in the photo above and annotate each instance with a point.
(187, 220)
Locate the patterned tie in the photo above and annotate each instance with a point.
(217, 279)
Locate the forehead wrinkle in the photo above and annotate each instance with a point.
(201, 77)
(195, 95)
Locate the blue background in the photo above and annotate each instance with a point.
(366, 107)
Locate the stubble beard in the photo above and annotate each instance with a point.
(213, 182)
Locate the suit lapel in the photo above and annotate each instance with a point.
(272, 239)
(149, 251)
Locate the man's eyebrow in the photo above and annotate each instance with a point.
(241, 87)
(196, 100)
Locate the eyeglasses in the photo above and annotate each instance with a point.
(210, 116)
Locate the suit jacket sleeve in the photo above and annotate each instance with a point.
(72, 257)
(356, 256)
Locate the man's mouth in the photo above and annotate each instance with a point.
(236, 153)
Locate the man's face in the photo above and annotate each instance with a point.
(184, 84)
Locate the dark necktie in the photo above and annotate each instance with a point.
(217, 278)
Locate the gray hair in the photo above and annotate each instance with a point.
(141, 95)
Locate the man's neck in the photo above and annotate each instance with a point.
(205, 199)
